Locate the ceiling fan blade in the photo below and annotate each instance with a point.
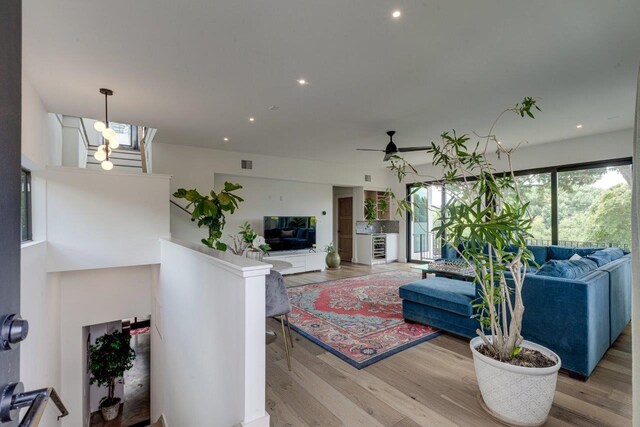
(368, 149)
(407, 149)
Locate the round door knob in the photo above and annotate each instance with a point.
(13, 330)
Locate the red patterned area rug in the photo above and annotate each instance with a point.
(358, 319)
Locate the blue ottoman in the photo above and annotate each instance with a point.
(442, 303)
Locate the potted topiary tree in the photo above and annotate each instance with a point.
(109, 358)
(487, 223)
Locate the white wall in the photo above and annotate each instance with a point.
(41, 131)
(40, 305)
(207, 339)
(271, 197)
(91, 297)
(40, 292)
(310, 181)
(100, 219)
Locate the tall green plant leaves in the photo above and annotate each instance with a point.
(209, 211)
(487, 229)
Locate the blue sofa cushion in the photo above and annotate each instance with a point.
(586, 251)
(614, 253)
(601, 257)
(561, 252)
(302, 233)
(446, 294)
(567, 269)
(540, 253)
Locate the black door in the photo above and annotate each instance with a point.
(10, 116)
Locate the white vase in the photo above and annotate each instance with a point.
(514, 394)
(253, 254)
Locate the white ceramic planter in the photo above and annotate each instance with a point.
(515, 394)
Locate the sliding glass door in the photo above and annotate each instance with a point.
(427, 206)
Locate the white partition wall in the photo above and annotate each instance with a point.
(207, 338)
(99, 219)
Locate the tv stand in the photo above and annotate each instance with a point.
(302, 260)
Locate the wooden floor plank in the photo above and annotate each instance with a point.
(431, 384)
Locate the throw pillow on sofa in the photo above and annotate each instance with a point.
(288, 233)
(567, 269)
(600, 257)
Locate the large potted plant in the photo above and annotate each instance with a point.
(109, 358)
(209, 210)
(487, 223)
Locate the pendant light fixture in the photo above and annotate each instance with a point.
(109, 136)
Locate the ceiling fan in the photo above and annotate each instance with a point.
(391, 149)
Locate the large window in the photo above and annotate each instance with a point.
(25, 205)
(586, 205)
(594, 206)
(535, 188)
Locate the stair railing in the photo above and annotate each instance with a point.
(14, 398)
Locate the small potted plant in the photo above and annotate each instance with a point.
(332, 259)
(109, 358)
(248, 243)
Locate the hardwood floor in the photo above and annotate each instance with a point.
(431, 384)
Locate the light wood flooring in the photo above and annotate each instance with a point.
(431, 384)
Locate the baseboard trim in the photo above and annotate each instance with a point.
(263, 421)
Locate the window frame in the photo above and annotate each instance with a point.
(553, 170)
(28, 206)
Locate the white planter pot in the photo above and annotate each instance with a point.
(515, 394)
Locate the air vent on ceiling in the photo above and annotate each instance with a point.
(247, 164)
(367, 178)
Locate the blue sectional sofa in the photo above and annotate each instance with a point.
(575, 308)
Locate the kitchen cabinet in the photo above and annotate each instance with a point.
(378, 248)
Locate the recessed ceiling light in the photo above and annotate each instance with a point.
(579, 126)
(302, 82)
(396, 14)
(251, 119)
(226, 139)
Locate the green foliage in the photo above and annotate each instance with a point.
(330, 249)
(610, 218)
(483, 217)
(249, 236)
(209, 210)
(370, 210)
(109, 358)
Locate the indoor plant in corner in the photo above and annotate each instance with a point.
(487, 223)
(109, 358)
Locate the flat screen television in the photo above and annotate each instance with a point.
(287, 233)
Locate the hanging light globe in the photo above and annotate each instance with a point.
(107, 165)
(113, 144)
(100, 156)
(103, 148)
(99, 126)
(109, 134)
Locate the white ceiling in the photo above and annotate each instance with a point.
(197, 70)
